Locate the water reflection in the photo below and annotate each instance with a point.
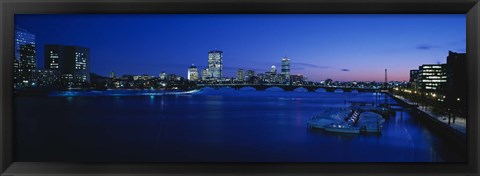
(245, 126)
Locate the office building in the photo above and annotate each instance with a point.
(432, 78)
(414, 79)
(16, 73)
(72, 62)
(457, 80)
(192, 73)
(286, 69)
(206, 75)
(47, 78)
(250, 73)
(273, 69)
(28, 64)
(240, 75)
(112, 75)
(215, 61)
(22, 37)
(298, 79)
(162, 75)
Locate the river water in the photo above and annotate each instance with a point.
(213, 126)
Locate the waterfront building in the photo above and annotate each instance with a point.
(250, 73)
(28, 64)
(192, 74)
(414, 79)
(143, 77)
(457, 80)
(22, 37)
(72, 62)
(432, 78)
(215, 66)
(162, 75)
(206, 75)
(47, 78)
(16, 74)
(286, 69)
(297, 79)
(112, 75)
(240, 75)
(273, 69)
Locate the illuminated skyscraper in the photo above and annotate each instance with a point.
(28, 64)
(192, 73)
(16, 73)
(414, 79)
(250, 73)
(215, 60)
(22, 37)
(432, 77)
(206, 75)
(162, 75)
(240, 75)
(112, 75)
(73, 63)
(273, 69)
(286, 69)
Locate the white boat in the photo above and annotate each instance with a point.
(371, 122)
(343, 120)
(342, 129)
(328, 117)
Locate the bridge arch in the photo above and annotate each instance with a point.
(274, 89)
(206, 88)
(300, 89)
(321, 90)
(226, 88)
(339, 91)
(247, 88)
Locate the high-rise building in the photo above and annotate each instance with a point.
(28, 64)
(457, 80)
(206, 74)
(47, 78)
(273, 69)
(432, 77)
(457, 71)
(22, 37)
(16, 73)
(250, 73)
(192, 73)
(215, 64)
(162, 75)
(240, 75)
(298, 79)
(286, 69)
(112, 75)
(73, 63)
(414, 79)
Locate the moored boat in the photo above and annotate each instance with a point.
(342, 129)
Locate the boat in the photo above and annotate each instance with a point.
(328, 117)
(342, 129)
(348, 120)
(370, 122)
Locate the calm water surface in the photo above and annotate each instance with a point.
(213, 126)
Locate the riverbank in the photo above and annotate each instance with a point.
(457, 129)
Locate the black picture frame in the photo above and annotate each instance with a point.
(8, 8)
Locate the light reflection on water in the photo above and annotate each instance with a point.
(213, 125)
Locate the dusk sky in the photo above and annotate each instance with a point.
(340, 47)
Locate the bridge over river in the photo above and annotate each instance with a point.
(309, 88)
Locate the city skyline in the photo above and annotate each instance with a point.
(145, 59)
